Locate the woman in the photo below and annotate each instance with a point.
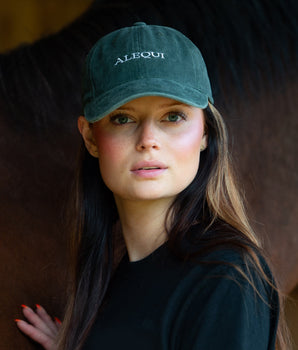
(156, 175)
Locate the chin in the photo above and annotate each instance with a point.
(150, 196)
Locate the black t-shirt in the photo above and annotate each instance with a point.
(163, 303)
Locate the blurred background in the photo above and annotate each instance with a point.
(24, 21)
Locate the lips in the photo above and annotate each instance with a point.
(148, 165)
(148, 169)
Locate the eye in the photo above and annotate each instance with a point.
(120, 119)
(175, 117)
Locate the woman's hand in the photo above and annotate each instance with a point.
(39, 326)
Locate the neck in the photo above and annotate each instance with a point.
(143, 225)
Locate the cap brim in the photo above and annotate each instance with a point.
(106, 103)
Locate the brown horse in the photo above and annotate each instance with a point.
(251, 53)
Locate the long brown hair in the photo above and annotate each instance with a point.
(212, 199)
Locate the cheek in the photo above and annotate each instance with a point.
(110, 150)
(187, 146)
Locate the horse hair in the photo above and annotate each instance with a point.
(250, 44)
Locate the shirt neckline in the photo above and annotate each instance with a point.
(147, 259)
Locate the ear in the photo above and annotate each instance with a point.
(204, 142)
(87, 134)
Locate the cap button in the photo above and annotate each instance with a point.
(140, 24)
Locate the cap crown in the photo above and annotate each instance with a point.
(143, 60)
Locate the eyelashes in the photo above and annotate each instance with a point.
(173, 117)
(120, 119)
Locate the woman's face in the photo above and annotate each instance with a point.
(149, 148)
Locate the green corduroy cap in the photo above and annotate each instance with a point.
(143, 60)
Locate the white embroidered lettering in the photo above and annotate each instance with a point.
(119, 60)
(136, 55)
(127, 59)
(155, 54)
(146, 54)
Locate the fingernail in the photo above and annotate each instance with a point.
(57, 319)
(24, 306)
(17, 320)
(38, 306)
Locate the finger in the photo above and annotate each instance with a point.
(37, 335)
(37, 322)
(58, 322)
(41, 312)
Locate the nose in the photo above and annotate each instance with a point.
(148, 137)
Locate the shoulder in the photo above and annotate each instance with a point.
(232, 274)
(224, 300)
(225, 267)
(226, 252)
